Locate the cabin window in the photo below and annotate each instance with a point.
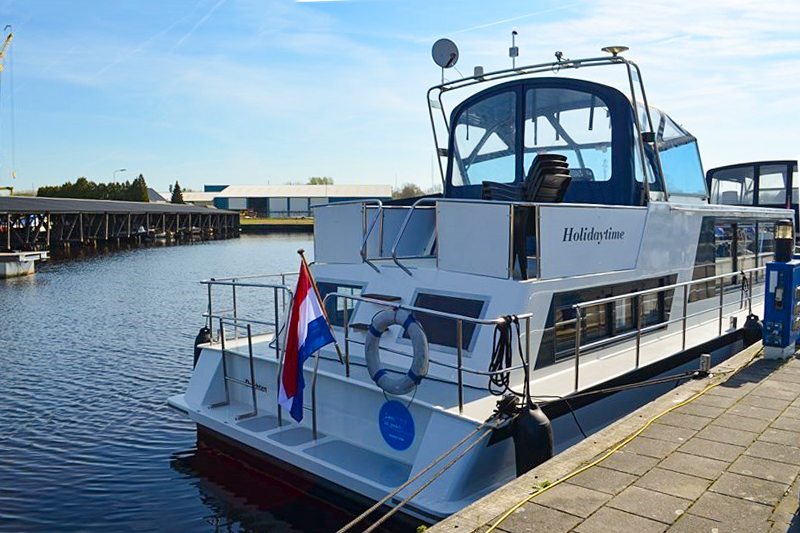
(733, 186)
(772, 185)
(442, 331)
(683, 171)
(571, 123)
(605, 321)
(485, 140)
(726, 247)
(746, 246)
(334, 307)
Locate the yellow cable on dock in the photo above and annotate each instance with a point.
(615, 448)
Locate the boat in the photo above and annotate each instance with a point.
(573, 249)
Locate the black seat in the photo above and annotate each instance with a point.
(548, 179)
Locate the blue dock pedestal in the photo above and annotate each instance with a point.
(782, 309)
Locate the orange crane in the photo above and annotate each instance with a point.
(3, 51)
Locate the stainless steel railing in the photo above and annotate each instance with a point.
(279, 292)
(402, 231)
(239, 322)
(459, 322)
(641, 329)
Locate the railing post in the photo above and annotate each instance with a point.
(528, 345)
(721, 296)
(314, 396)
(459, 327)
(685, 313)
(235, 315)
(277, 347)
(639, 313)
(210, 314)
(252, 377)
(578, 328)
(224, 367)
(346, 337)
(750, 294)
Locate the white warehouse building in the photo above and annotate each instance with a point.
(283, 201)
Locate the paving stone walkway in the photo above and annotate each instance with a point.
(726, 462)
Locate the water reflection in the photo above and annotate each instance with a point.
(90, 350)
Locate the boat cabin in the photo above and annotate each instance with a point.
(758, 183)
(496, 135)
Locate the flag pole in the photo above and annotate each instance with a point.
(324, 311)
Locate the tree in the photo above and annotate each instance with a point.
(408, 190)
(138, 190)
(317, 180)
(83, 188)
(177, 194)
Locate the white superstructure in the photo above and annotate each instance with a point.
(625, 244)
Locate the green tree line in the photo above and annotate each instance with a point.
(135, 191)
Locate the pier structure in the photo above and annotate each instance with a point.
(33, 223)
(720, 454)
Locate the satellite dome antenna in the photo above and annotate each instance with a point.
(445, 54)
(614, 50)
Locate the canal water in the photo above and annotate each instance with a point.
(90, 349)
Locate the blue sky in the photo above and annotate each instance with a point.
(273, 91)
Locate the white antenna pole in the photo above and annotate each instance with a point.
(513, 52)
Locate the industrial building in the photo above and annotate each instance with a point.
(283, 201)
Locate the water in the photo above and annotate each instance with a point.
(90, 350)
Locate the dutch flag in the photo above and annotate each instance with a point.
(308, 332)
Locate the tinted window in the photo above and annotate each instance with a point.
(441, 330)
(334, 307)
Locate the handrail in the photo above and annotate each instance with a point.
(460, 319)
(581, 306)
(368, 232)
(403, 230)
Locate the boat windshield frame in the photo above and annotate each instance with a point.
(634, 75)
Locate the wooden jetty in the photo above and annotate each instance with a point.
(33, 223)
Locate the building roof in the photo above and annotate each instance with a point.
(306, 191)
(190, 196)
(36, 204)
(154, 196)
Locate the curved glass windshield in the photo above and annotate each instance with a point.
(485, 134)
(572, 123)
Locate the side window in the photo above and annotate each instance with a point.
(607, 321)
(733, 186)
(442, 331)
(485, 137)
(772, 185)
(683, 172)
(334, 307)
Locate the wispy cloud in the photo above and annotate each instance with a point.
(495, 23)
(141, 46)
(198, 24)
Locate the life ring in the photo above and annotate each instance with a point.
(393, 383)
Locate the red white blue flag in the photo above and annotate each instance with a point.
(308, 332)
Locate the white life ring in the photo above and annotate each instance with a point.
(393, 383)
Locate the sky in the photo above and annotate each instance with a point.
(276, 91)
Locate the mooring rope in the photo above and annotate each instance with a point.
(617, 447)
(422, 472)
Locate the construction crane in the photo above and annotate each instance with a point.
(3, 51)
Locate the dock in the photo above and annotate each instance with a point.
(13, 264)
(719, 454)
(34, 223)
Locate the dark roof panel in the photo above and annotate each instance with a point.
(35, 204)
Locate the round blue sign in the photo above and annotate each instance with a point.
(396, 424)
